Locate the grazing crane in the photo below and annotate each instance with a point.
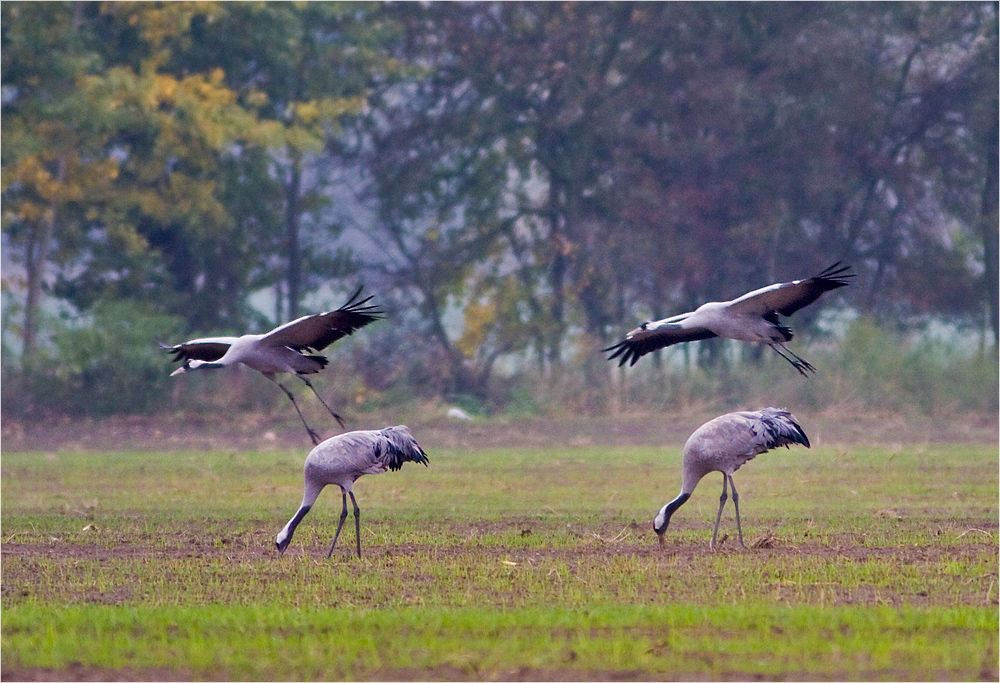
(723, 445)
(280, 350)
(341, 460)
(752, 317)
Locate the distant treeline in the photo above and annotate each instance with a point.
(518, 184)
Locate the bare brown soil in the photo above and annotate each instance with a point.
(603, 540)
(596, 544)
(268, 432)
(451, 673)
(79, 672)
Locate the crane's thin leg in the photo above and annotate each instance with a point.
(343, 516)
(736, 504)
(722, 502)
(799, 363)
(313, 435)
(357, 522)
(340, 420)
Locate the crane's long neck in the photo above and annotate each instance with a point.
(285, 535)
(662, 519)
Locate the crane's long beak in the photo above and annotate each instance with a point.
(662, 541)
(178, 371)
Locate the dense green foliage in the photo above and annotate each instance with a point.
(881, 565)
(518, 183)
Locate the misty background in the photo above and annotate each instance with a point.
(517, 184)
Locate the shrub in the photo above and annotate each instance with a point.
(113, 365)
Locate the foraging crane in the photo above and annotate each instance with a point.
(282, 349)
(752, 317)
(341, 460)
(723, 445)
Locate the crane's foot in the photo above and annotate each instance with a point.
(315, 438)
(803, 367)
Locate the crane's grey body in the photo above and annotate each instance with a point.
(723, 445)
(280, 350)
(752, 317)
(259, 352)
(341, 460)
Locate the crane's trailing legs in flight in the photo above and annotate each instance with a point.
(752, 317)
(312, 434)
(341, 460)
(723, 445)
(292, 348)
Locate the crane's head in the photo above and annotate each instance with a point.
(282, 540)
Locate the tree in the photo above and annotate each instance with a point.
(306, 67)
(51, 160)
(122, 156)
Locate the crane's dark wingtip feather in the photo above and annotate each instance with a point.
(353, 306)
(622, 351)
(354, 296)
(836, 274)
(359, 307)
(368, 314)
(175, 350)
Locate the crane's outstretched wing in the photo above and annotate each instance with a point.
(642, 340)
(316, 332)
(788, 297)
(208, 349)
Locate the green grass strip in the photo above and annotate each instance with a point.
(675, 642)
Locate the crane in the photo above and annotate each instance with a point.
(283, 349)
(341, 460)
(723, 445)
(752, 317)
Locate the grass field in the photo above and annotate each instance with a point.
(866, 563)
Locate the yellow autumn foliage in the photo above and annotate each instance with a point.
(479, 317)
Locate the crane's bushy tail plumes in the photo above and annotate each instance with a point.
(779, 428)
(395, 445)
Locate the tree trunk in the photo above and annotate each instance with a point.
(37, 256)
(990, 232)
(293, 252)
(460, 380)
(557, 275)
